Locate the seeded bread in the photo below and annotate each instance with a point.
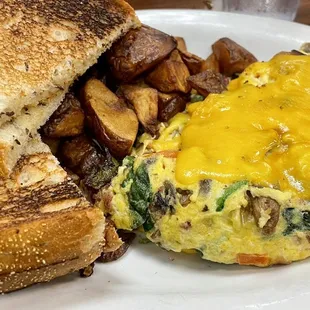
(47, 227)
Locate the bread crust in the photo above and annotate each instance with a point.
(47, 227)
(45, 45)
(16, 281)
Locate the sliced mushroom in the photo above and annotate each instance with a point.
(127, 239)
(266, 213)
(164, 201)
(184, 196)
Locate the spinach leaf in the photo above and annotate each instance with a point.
(140, 194)
(128, 162)
(197, 98)
(296, 220)
(220, 203)
(149, 223)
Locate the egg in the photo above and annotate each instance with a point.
(228, 178)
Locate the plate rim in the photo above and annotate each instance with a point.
(230, 15)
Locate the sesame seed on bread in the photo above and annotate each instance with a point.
(47, 227)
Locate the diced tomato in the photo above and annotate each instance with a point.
(261, 260)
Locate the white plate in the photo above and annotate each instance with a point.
(149, 278)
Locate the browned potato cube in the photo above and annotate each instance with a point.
(169, 105)
(67, 120)
(208, 82)
(175, 55)
(170, 76)
(52, 143)
(73, 152)
(94, 165)
(213, 64)
(145, 103)
(181, 44)
(194, 63)
(232, 57)
(139, 50)
(113, 123)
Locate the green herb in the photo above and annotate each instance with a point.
(101, 175)
(140, 194)
(149, 223)
(137, 219)
(128, 162)
(196, 98)
(99, 170)
(220, 203)
(296, 220)
(144, 241)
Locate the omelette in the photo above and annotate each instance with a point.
(230, 177)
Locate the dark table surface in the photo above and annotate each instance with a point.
(303, 15)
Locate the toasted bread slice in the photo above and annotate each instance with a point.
(15, 135)
(45, 45)
(47, 227)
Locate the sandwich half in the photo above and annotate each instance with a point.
(44, 47)
(47, 227)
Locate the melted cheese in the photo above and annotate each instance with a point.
(258, 130)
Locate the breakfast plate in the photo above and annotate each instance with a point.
(151, 278)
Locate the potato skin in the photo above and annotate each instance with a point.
(194, 63)
(67, 120)
(145, 102)
(181, 44)
(113, 123)
(232, 57)
(72, 152)
(138, 51)
(213, 64)
(170, 76)
(170, 104)
(208, 82)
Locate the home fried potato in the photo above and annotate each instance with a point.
(138, 51)
(232, 57)
(194, 63)
(175, 55)
(170, 76)
(170, 104)
(67, 120)
(181, 44)
(113, 123)
(145, 103)
(53, 143)
(213, 64)
(72, 152)
(95, 166)
(208, 82)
